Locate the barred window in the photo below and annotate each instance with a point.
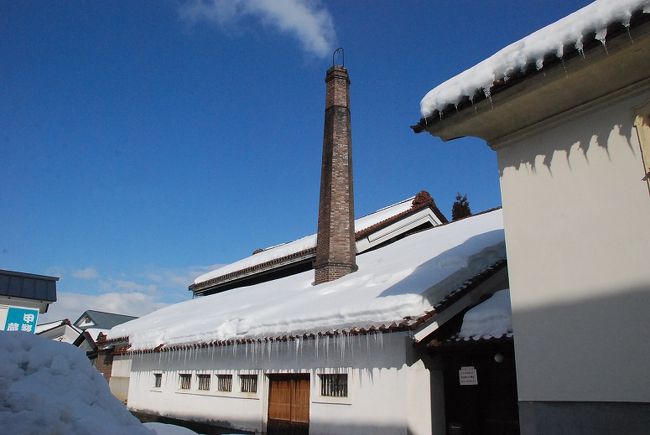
(186, 381)
(204, 382)
(157, 380)
(248, 383)
(224, 383)
(334, 385)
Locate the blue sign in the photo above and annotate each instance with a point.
(21, 319)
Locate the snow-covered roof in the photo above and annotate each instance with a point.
(405, 279)
(42, 327)
(304, 248)
(491, 318)
(94, 332)
(550, 40)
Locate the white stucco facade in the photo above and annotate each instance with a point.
(577, 216)
(389, 388)
(120, 374)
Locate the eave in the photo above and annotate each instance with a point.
(537, 95)
(424, 211)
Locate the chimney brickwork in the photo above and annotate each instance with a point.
(335, 246)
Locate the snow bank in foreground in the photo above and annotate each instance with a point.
(48, 387)
(168, 429)
(570, 30)
(491, 318)
(406, 278)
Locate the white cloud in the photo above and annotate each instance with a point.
(311, 24)
(86, 273)
(70, 305)
(136, 295)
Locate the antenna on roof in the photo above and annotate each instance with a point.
(342, 57)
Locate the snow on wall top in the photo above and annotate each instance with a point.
(490, 319)
(406, 278)
(279, 251)
(570, 30)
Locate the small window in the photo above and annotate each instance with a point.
(224, 383)
(108, 359)
(157, 382)
(186, 381)
(248, 383)
(332, 385)
(204, 382)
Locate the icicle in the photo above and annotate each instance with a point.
(580, 47)
(327, 349)
(601, 35)
(488, 95)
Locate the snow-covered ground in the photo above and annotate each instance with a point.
(48, 387)
(404, 279)
(552, 39)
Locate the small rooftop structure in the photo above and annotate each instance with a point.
(27, 289)
(371, 231)
(100, 320)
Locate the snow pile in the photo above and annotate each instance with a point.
(168, 429)
(551, 39)
(308, 242)
(406, 278)
(47, 387)
(491, 318)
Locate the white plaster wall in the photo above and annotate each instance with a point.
(381, 384)
(120, 372)
(63, 333)
(577, 224)
(121, 366)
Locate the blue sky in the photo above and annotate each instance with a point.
(144, 142)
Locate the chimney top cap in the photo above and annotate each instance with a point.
(341, 57)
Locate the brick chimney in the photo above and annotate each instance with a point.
(335, 246)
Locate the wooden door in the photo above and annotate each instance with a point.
(488, 407)
(288, 405)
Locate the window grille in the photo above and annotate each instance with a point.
(157, 380)
(204, 382)
(334, 385)
(186, 381)
(248, 383)
(224, 383)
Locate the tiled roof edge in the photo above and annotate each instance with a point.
(406, 324)
(421, 201)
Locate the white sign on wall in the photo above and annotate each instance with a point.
(467, 376)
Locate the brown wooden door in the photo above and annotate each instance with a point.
(288, 405)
